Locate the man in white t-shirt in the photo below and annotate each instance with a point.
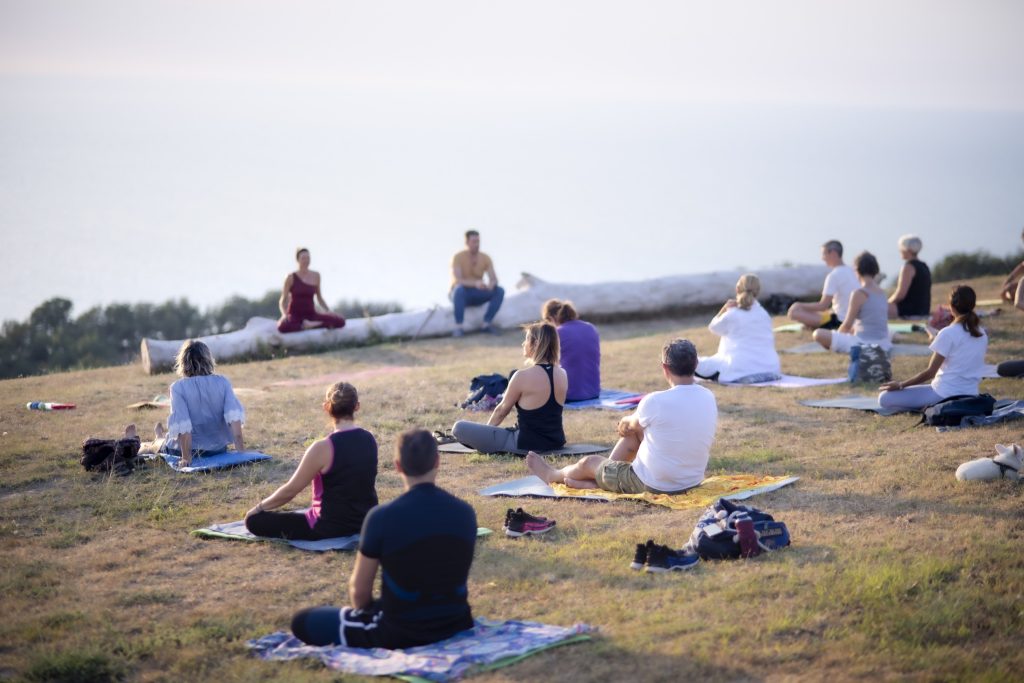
(829, 312)
(663, 447)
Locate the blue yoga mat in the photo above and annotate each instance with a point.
(607, 401)
(220, 461)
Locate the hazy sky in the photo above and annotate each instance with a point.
(924, 53)
(203, 141)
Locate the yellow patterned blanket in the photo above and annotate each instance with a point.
(734, 486)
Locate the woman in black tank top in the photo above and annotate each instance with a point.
(341, 471)
(538, 429)
(913, 295)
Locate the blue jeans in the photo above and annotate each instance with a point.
(471, 296)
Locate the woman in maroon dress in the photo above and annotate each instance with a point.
(298, 312)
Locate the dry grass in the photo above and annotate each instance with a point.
(897, 571)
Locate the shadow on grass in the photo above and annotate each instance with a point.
(603, 660)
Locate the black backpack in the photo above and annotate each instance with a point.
(485, 385)
(951, 411)
(107, 455)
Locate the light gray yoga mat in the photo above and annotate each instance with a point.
(568, 449)
(236, 531)
(869, 403)
(534, 486)
(897, 349)
(792, 382)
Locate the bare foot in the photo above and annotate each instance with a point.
(159, 430)
(542, 469)
(311, 324)
(130, 432)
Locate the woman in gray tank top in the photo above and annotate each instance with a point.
(867, 321)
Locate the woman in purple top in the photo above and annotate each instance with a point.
(581, 349)
(342, 472)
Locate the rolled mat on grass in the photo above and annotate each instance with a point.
(869, 403)
(731, 486)
(610, 399)
(159, 401)
(236, 531)
(897, 349)
(220, 461)
(489, 645)
(791, 382)
(568, 449)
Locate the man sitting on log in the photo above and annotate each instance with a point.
(663, 447)
(474, 284)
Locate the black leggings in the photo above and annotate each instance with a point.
(1011, 368)
(290, 525)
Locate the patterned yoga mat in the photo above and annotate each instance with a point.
(489, 645)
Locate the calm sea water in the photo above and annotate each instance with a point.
(120, 191)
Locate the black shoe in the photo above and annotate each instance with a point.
(661, 558)
(640, 557)
(519, 523)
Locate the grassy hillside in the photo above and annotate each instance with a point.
(896, 570)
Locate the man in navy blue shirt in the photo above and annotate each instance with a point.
(422, 542)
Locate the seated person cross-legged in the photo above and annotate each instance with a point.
(342, 470)
(538, 394)
(867, 316)
(913, 295)
(298, 311)
(1013, 286)
(206, 416)
(580, 349)
(830, 311)
(957, 363)
(664, 445)
(423, 543)
(746, 351)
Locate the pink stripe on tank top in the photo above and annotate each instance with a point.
(317, 496)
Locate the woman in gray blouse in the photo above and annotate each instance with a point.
(206, 416)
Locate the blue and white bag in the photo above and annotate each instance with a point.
(716, 538)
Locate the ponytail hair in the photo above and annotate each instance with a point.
(542, 342)
(558, 312)
(747, 289)
(962, 300)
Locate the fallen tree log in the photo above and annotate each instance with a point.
(605, 299)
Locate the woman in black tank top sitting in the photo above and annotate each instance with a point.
(913, 295)
(538, 394)
(342, 472)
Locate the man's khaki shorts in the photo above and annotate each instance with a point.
(618, 477)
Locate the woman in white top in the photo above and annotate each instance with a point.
(746, 352)
(867, 317)
(957, 363)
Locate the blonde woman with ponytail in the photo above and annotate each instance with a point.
(341, 470)
(957, 363)
(746, 351)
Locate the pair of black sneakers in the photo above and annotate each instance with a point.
(656, 559)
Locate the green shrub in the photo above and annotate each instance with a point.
(963, 266)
